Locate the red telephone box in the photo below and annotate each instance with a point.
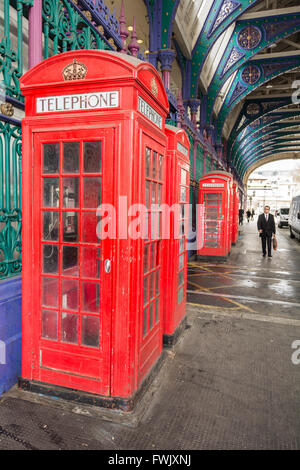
(235, 220)
(215, 196)
(93, 137)
(176, 254)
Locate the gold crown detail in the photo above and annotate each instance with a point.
(74, 71)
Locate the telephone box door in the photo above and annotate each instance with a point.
(73, 175)
(214, 221)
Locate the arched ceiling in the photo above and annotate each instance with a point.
(241, 60)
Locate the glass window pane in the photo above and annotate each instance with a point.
(51, 158)
(160, 167)
(148, 156)
(69, 294)
(182, 210)
(50, 225)
(50, 259)
(69, 328)
(91, 296)
(92, 192)
(146, 258)
(180, 277)
(152, 255)
(157, 310)
(71, 157)
(180, 295)
(181, 262)
(183, 176)
(145, 321)
(152, 285)
(90, 331)
(157, 282)
(151, 315)
(146, 234)
(92, 157)
(147, 199)
(154, 165)
(49, 324)
(153, 198)
(70, 260)
(159, 193)
(146, 290)
(70, 227)
(50, 192)
(71, 192)
(181, 245)
(89, 223)
(182, 193)
(49, 291)
(158, 245)
(90, 262)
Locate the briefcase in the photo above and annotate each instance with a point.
(275, 243)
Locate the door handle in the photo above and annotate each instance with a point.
(107, 265)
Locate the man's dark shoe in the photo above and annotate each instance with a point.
(269, 256)
(264, 254)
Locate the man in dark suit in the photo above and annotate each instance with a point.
(267, 230)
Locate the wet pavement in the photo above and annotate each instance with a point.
(229, 382)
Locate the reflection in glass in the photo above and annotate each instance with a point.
(145, 321)
(69, 328)
(90, 331)
(181, 262)
(71, 192)
(89, 222)
(152, 256)
(152, 286)
(50, 192)
(183, 194)
(92, 157)
(69, 294)
(148, 194)
(51, 158)
(180, 295)
(146, 290)
(91, 297)
(151, 315)
(154, 163)
(157, 281)
(50, 225)
(50, 259)
(183, 177)
(148, 156)
(49, 291)
(70, 260)
(180, 278)
(91, 192)
(49, 324)
(157, 310)
(71, 157)
(181, 245)
(146, 258)
(90, 262)
(160, 167)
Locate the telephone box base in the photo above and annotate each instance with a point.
(170, 340)
(91, 399)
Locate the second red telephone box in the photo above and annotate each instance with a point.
(215, 196)
(176, 254)
(93, 155)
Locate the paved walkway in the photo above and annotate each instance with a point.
(229, 383)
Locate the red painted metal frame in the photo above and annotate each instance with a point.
(175, 294)
(124, 356)
(235, 220)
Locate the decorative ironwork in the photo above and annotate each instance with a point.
(249, 37)
(10, 198)
(252, 109)
(250, 74)
(228, 7)
(239, 89)
(235, 56)
(66, 27)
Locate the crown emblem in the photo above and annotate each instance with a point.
(154, 88)
(74, 71)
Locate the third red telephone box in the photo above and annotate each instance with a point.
(176, 254)
(93, 150)
(215, 196)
